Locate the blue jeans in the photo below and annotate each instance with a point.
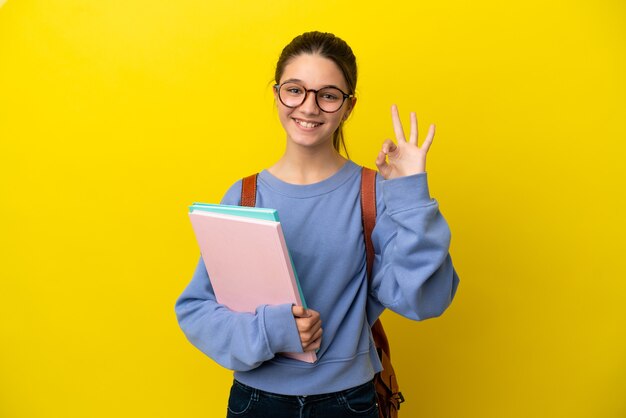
(247, 402)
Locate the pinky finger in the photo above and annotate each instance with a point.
(429, 138)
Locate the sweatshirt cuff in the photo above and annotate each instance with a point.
(280, 328)
(407, 192)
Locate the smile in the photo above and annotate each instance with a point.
(306, 124)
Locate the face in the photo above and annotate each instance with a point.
(307, 125)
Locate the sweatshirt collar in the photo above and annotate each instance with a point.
(333, 182)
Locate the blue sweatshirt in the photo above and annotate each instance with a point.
(412, 275)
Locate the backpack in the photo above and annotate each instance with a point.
(388, 396)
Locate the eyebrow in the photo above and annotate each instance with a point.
(296, 80)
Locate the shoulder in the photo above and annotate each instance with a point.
(369, 175)
(233, 194)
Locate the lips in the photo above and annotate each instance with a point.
(307, 124)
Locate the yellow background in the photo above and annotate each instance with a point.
(115, 115)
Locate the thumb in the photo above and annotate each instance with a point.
(299, 312)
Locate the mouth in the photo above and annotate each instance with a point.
(307, 124)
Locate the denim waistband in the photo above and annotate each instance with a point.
(300, 397)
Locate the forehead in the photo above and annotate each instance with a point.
(314, 71)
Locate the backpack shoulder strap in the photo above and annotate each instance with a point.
(388, 395)
(368, 212)
(248, 190)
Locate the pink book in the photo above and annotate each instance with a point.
(248, 263)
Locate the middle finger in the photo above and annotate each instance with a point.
(397, 125)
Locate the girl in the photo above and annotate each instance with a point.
(317, 194)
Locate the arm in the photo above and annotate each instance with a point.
(413, 273)
(235, 340)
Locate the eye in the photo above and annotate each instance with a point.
(330, 95)
(293, 89)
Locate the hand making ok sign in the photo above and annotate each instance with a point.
(404, 158)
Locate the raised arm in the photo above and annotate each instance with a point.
(413, 272)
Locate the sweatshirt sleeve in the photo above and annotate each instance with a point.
(238, 341)
(413, 273)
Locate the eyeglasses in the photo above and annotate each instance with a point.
(328, 99)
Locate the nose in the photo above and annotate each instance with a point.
(309, 106)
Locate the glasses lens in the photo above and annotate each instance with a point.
(329, 99)
(291, 94)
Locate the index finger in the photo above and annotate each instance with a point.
(397, 125)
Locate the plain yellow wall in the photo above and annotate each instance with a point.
(115, 115)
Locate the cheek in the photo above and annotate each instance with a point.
(337, 119)
(283, 112)
(284, 115)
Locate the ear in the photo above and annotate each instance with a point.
(351, 105)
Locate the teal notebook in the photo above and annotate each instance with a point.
(264, 214)
(246, 211)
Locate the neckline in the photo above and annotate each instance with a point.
(309, 190)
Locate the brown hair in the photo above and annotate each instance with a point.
(328, 46)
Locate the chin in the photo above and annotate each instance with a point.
(311, 142)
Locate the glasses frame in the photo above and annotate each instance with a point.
(306, 93)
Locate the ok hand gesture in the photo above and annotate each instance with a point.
(404, 158)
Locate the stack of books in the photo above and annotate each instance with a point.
(247, 259)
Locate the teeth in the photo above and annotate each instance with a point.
(307, 124)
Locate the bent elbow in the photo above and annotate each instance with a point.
(430, 312)
(433, 302)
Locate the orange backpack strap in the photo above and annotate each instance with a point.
(368, 211)
(388, 395)
(248, 191)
